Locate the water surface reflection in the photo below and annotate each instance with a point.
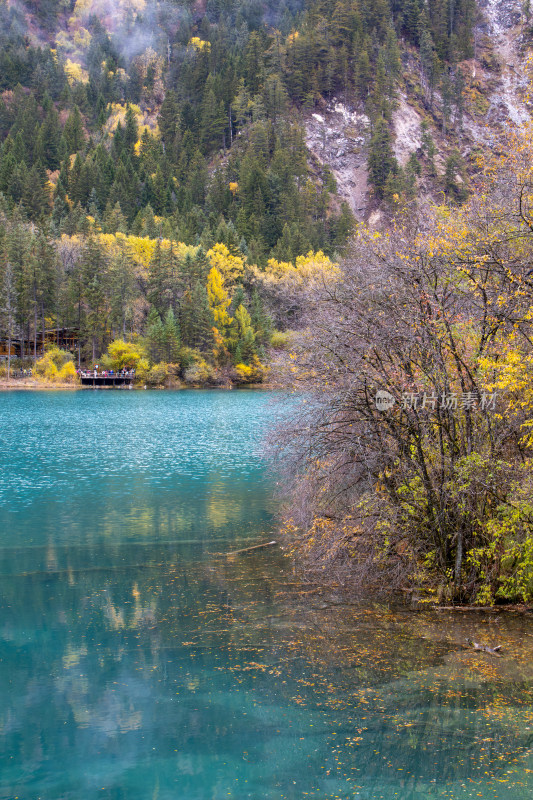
(138, 662)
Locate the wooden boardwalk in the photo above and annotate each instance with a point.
(106, 381)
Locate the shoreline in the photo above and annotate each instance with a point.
(30, 384)
(33, 385)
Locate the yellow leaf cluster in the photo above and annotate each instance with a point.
(81, 8)
(56, 366)
(82, 38)
(199, 44)
(75, 73)
(312, 265)
(124, 354)
(117, 114)
(219, 299)
(230, 267)
(251, 373)
(139, 249)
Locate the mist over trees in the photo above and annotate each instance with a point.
(166, 122)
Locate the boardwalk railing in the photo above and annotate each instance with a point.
(97, 379)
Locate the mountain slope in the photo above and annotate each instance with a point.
(494, 100)
(145, 144)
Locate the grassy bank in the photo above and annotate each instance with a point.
(35, 383)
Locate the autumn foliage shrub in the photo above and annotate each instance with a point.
(56, 366)
(249, 373)
(67, 373)
(157, 374)
(431, 491)
(198, 372)
(280, 340)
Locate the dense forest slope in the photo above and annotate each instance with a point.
(174, 173)
(442, 121)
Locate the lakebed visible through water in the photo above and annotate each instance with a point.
(138, 661)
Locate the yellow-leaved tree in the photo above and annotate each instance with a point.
(56, 366)
(219, 300)
(435, 316)
(289, 287)
(230, 267)
(123, 355)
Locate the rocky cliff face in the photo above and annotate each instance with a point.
(503, 24)
(494, 100)
(338, 137)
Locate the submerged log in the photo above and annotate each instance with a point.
(248, 549)
(494, 609)
(484, 648)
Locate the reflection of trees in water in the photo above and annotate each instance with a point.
(220, 505)
(449, 716)
(213, 655)
(431, 735)
(404, 682)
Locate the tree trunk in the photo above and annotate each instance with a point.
(458, 557)
(43, 323)
(35, 331)
(9, 323)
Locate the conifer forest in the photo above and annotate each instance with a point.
(155, 185)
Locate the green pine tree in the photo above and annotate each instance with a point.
(171, 333)
(381, 160)
(73, 132)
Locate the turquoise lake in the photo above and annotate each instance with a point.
(140, 661)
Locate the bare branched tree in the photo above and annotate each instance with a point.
(399, 451)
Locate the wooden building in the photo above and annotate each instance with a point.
(4, 350)
(64, 338)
